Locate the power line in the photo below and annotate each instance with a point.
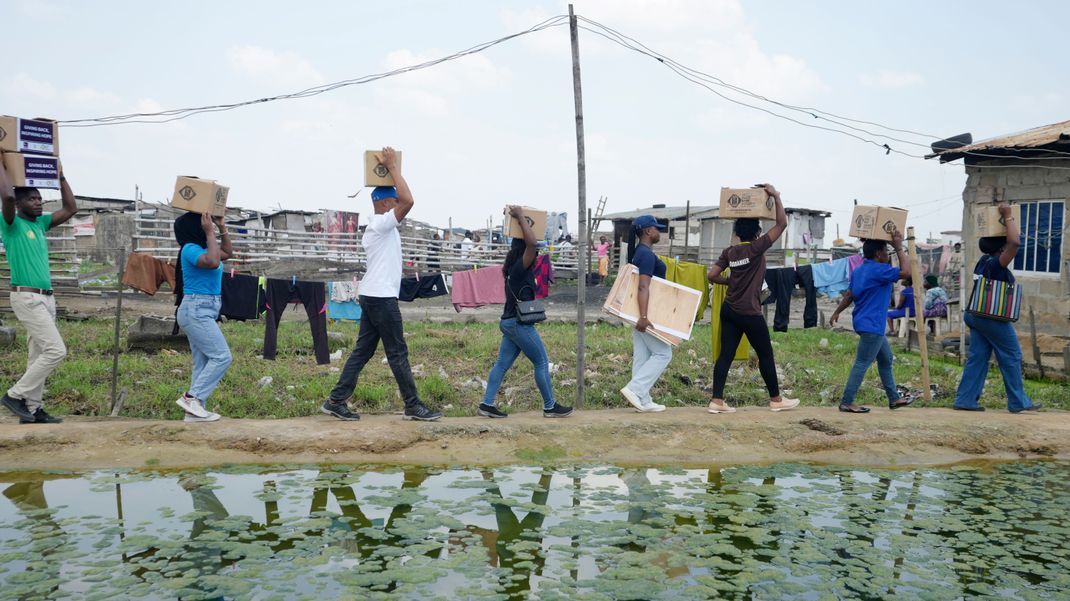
(183, 113)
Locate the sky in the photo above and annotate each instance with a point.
(498, 127)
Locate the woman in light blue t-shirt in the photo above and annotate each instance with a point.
(199, 278)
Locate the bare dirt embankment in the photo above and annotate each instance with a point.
(680, 436)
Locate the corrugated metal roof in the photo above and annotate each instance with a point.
(661, 213)
(1038, 137)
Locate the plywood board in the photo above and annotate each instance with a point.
(671, 309)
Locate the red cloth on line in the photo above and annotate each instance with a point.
(478, 287)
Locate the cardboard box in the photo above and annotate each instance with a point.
(746, 203)
(988, 222)
(375, 173)
(671, 309)
(536, 220)
(200, 195)
(877, 223)
(32, 170)
(34, 136)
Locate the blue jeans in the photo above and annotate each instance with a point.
(520, 338)
(988, 336)
(211, 356)
(870, 347)
(650, 357)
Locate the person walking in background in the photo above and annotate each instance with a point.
(520, 337)
(741, 313)
(603, 259)
(23, 231)
(381, 317)
(988, 336)
(200, 278)
(871, 291)
(650, 356)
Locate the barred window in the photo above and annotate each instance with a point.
(1042, 237)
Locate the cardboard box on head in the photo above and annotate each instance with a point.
(375, 173)
(32, 171)
(536, 220)
(36, 136)
(877, 223)
(746, 203)
(988, 222)
(200, 195)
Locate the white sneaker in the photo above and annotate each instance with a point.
(785, 404)
(208, 417)
(632, 398)
(651, 407)
(192, 405)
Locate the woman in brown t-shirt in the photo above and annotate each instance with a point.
(741, 313)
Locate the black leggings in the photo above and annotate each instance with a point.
(733, 327)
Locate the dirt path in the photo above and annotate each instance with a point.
(681, 437)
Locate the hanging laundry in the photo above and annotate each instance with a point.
(782, 282)
(313, 295)
(691, 275)
(145, 273)
(243, 297)
(853, 262)
(428, 285)
(717, 296)
(345, 291)
(832, 278)
(544, 275)
(342, 310)
(478, 287)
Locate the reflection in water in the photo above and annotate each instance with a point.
(763, 532)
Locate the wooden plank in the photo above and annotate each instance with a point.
(671, 309)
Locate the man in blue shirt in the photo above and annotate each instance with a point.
(871, 292)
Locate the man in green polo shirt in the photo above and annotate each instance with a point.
(23, 230)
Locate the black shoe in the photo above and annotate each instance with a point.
(852, 408)
(558, 410)
(1033, 407)
(419, 412)
(491, 411)
(339, 410)
(41, 417)
(901, 402)
(18, 407)
(975, 408)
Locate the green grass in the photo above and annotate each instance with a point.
(451, 360)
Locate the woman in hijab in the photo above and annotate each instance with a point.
(199, 278)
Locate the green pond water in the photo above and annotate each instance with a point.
(789, 531)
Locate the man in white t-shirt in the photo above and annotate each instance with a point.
(381, 317)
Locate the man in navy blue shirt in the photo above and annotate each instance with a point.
(650, 356)
(871, 292)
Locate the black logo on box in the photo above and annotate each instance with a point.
(3, 134)
(187, 193)
(220, 196)
(381, 170)
(769, 202)
(859, 221)
(734, 200)
(889, 226)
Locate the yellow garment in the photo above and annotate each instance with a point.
(716, 300)
(603, 266)
(691, 275)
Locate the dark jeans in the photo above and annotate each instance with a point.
(733, 327)
(380, 320)
(782, 282)
(988, 336)
(313, 295)
(870, 347)
(520, 338)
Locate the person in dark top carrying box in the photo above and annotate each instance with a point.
(741, 313)
(23, 230)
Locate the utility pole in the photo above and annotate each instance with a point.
(919, 313)
(581, 214)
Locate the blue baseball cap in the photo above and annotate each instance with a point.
(644, 221)
(384, 192)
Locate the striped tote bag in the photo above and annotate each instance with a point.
(995, 299)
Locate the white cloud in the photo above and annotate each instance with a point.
(891, 80)
(23, 85)
(285, 69)
(87, 98)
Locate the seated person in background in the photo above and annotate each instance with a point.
(935, 298)
(905, 306)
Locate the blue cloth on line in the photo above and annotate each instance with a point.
(832, 278)
(348, 310)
